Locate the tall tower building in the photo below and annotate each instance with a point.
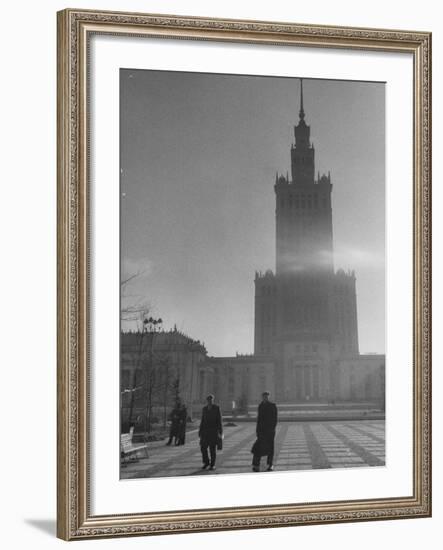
(303, 210)
(305, 312)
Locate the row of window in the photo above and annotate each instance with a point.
(306, 381)
(306, 348)
(267, 290)
(299, 348)
(299, 315)
(307, 367)
(302, 201)
(303, 160)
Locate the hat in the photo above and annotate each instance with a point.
(210, 396)
(266, 393)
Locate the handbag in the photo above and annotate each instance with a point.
(255, 448)
(219, 443)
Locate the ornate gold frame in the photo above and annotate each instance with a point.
(74, 30)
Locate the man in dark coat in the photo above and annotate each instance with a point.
(266, 423)
(181, 432)
(210, 432)
(175, 417)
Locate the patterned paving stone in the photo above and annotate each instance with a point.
(298, 446)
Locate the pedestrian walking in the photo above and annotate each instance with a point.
(181, 430)
(266, 424)
(175, 418)
(210, 432)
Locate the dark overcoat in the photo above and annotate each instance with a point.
(266, 424)
(181, 431)
(174, 417)
(211, 426)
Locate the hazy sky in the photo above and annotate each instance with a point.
(199, 154)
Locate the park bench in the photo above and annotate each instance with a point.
(127, 449)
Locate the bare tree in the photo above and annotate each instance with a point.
(134, 307)
(134, 310)
(165, 387)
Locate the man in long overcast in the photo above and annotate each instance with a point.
(266, 424)
(210, 432)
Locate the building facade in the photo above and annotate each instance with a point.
(237, 382)
(155, 369)
(306, 328)
(306, 332)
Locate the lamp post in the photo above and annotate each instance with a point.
(191, 399)
(194, 347)
(134, 375)
(150, 326)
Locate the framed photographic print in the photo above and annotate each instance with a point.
(243, 274)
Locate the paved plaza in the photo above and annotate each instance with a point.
(298, 446)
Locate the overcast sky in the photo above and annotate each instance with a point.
(199, 154)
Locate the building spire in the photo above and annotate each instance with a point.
(301, 112)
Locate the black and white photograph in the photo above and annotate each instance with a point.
(252, 274)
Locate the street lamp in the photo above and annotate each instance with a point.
(192, 347)
(150, 326)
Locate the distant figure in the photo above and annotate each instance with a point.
(266, 423)
(181, 430)
(175, 416)
(210, 432)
